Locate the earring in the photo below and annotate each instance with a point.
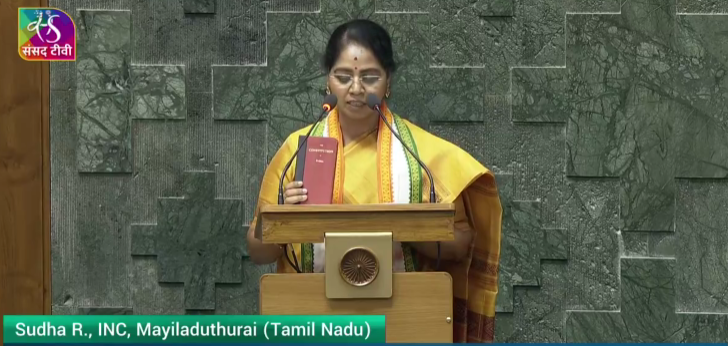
(387, 94)
(328, 91)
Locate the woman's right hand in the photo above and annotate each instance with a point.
(294, 193)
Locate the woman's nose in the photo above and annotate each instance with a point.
(356, 87)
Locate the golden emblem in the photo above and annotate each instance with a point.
(359, 267)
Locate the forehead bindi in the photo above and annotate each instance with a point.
(356, 57)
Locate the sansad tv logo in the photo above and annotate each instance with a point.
(46, 34)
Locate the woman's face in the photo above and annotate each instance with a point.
(355, 74)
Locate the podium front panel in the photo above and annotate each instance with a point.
(420, 309)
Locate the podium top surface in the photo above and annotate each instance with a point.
(423, 222)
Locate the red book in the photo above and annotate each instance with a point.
(316, 167)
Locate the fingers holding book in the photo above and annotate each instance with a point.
(295, 193)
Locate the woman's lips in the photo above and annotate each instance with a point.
(356, 104)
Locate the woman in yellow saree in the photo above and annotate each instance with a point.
(373, 167)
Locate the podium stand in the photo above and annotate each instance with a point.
(358, 279)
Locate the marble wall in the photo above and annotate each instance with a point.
(606, 122)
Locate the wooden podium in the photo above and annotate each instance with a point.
(359, 279)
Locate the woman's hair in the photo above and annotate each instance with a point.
(365, 33)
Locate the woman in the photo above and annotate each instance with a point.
(359, 61)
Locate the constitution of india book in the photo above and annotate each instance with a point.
(316, 167)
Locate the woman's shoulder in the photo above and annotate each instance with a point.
(421, 135)
(433, 147)
(452, 167)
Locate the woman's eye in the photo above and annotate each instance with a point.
(370, 79)
(343, 79)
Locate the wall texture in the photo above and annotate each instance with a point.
(605, 120)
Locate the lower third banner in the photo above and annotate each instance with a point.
(207, 329)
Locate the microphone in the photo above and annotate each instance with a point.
(329, 104)
(375, 103)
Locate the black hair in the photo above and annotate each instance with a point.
(365, 33)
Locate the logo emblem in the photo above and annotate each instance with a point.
(46, 34)
(359, 267)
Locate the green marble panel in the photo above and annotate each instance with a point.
(533, 154)
(92, 247)
(159, 148)
(521, 249)
(198, 240)
(63, 73)
(662, 104)
(538, 32)
(240, 34)
(159, 92)
(499, 35)
(702, 6)
(231, 149)
(706, 328)
(199, 6)
(538, 95)
(539, 161)
(622, 116)
(555, 244)
(403, 6)
(649, 244)
(495, 8)
(294, 5)
(63, 204)
(701, 131)
(592, 221)
(465, 18)
(102, 92)
(159, 32)
(702, 258)
(538, 312)
(242, 299)
(501, 145)
(150, 297)
(594, 6)
(526, 237)
(67, 310)
(461, 100)
(166, 35)
(623, 124)
(648, 311)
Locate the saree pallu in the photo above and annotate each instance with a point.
(377, 159)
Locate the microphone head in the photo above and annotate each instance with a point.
(330, 102)
(373, 101)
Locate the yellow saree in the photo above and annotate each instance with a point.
(365, 163)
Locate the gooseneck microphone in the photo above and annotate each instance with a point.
(329, 104)
(375, 103)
